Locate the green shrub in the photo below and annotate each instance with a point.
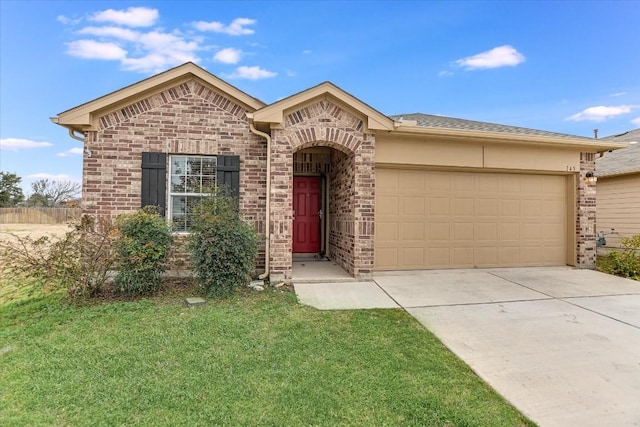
(78, 262)
(624, 262)
(223, 246)
(142, 248)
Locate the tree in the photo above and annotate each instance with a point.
(48, 193)
(10, 190)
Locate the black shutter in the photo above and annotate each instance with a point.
(228, 173)
(154, 181)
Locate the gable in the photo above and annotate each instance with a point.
(117, 114)
(275, 113)
(85, 117)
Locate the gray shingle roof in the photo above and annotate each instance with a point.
(428, 120)
(623, 161)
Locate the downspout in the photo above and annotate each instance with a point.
(73, 135)
(267, 242)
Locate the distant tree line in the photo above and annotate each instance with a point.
(44, 192)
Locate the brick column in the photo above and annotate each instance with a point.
(281, 206)
(586, 214)
(364, 208)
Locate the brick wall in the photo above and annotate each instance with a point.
(325, 124)
(187, 119)
(586, 214)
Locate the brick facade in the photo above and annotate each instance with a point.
(320, 136)
(186, 119)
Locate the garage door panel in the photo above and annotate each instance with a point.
(440, 219)
(462, 232)
(486, 207)
(439, 184)
(509, 255)
(531, 208)
(486, 257)
(412, 231)
(462, 256)
(439, 206)
(413, 206)
(387, 231)
(463, 206)
(509, 232)
(386, 258)
(439, 231)
(412, 258)
(509, 207)
(387, 206)
(487, 184)
(486, 232)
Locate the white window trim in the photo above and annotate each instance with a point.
(171, 194)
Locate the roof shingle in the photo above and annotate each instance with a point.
(623, 161)
(428, 120)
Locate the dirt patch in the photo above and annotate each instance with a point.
(35, 231)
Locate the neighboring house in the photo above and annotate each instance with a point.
(618, 195)
(322, 172)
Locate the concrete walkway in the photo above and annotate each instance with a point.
(562, 345)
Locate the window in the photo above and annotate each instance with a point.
(191, 178)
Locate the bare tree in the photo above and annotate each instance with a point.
(52, 193)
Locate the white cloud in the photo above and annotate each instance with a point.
(15, 144)
(52, 177)
(501, 56)
(445, 73)
(636, 121)
(618, 94)
(145, 52)
(131, 17)
(65, 20)
(600, 113)
(228, 55)
(236, 28)
(76, 151)
(91, 49)
(115, 32)
(251, 73)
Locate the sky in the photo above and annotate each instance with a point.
(561, 66)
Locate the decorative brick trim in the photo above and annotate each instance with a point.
(168, 96)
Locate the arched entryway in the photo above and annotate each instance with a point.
(324, 217)
(324, 141)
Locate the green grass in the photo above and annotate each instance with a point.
(254, 359)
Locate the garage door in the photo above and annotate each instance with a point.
(440, 219)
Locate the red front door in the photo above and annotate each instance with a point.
(306, 221)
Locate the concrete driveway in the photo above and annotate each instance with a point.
(562, 345)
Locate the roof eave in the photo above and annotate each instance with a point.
(463, 134)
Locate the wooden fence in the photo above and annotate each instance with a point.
(38, 215)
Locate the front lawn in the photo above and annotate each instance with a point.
(254, 359)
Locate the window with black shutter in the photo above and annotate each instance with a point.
(154, 181)
(190, 178)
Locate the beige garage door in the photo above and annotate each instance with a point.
(439, 219)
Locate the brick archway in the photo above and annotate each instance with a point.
(325, 124)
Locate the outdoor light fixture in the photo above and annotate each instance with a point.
(591, 178)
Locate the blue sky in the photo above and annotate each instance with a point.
(563, 66)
